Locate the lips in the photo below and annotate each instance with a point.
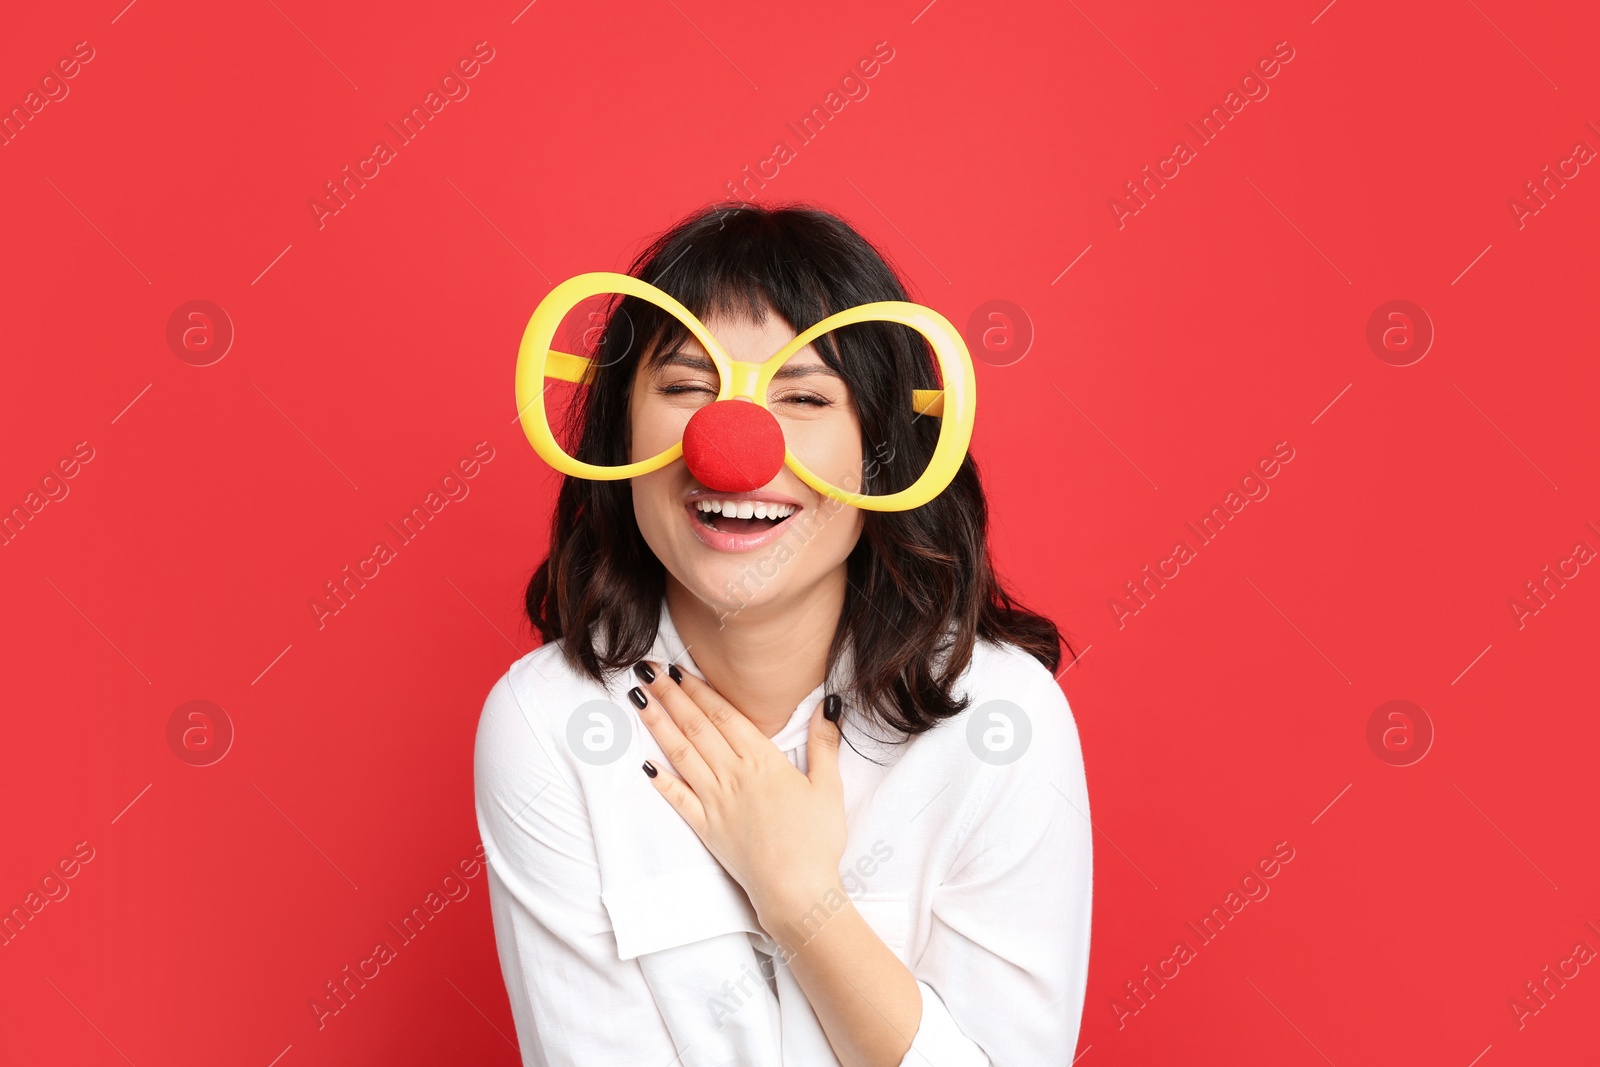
(739, 522)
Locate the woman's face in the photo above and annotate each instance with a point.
(728, 562)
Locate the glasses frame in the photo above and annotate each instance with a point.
(954, 405)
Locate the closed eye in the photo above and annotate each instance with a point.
(805, 399)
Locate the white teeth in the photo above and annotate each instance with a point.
(745, 509)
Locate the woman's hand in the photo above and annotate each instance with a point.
(778, 832)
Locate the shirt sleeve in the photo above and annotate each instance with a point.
(1004, 973)
(570, 994)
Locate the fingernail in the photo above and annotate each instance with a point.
(648, 769)
(640, 701)
(642, 669)
(674, 673)
(830, 707)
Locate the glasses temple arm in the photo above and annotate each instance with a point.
(567, 368)
(927, 401)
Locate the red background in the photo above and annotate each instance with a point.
(1227, 315)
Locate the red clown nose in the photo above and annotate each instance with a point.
(733, 446)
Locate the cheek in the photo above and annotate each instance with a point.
(653, 430)
(843, 449)
(649, 504)
(830, 446)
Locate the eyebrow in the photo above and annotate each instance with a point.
(788, 370)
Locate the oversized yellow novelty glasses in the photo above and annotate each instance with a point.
(727, 426)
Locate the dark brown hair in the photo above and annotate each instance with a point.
(921, 585)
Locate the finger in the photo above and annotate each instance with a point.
(737, 730)
(684, 756)
(681, 797)
(822, 750)
(695, 721)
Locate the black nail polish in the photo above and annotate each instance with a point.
(648, 769)
(640, 701)
(642, 669)
(674, 673)
(831, 705)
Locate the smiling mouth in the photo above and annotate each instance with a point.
(741, 516)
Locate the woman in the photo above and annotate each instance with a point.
(793, 785)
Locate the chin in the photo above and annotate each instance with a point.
(752, 570)
(730, 584)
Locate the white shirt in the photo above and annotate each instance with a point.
(976, 872)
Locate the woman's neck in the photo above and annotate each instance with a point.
(763, 659)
